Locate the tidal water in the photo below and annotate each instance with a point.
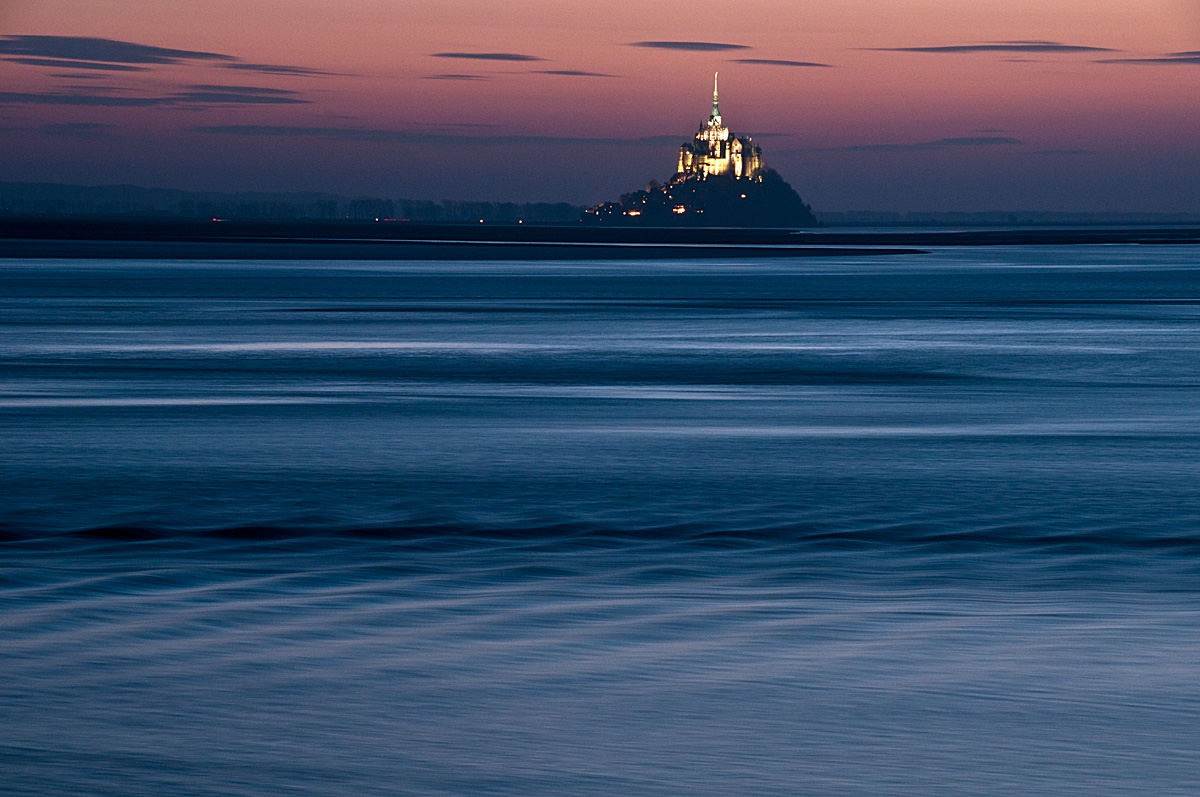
(904, 525)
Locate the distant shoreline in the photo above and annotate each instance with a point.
(410, 250)
(349, 240)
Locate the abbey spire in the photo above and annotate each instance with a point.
(716, 111)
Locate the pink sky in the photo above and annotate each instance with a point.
(1011, 122)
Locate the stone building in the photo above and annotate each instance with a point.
(717, 151)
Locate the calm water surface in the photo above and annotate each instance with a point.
(902, 525)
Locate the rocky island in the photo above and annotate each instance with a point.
(719, 181)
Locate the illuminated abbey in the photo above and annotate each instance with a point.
(717, 151)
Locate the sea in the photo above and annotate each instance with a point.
(896, 524)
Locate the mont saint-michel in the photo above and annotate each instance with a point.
(719, 181)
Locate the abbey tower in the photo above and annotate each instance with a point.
(717, 151)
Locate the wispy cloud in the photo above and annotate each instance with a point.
(1000, 47)
(694, 47)
(76, 130)
(570, 73)
(941, 143)
(375, 135)
(277, 69)
(55, 98)
(455, 76)
(190, 96)
(1065, 152)
(1189, 57)
(59, 63)
(86, 53)
(457, 125)
(250, 95)
(332, 133)
(776, 62)
(94, 88)
(81, 48)
(489, 56)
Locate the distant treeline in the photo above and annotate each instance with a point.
(52, 200)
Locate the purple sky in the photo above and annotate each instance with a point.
(860, 104)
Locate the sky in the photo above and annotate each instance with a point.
(894, 105)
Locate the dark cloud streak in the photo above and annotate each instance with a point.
(249, 90)
(777, 62)
(941, 143)
(59, 63)
(457, 125)
(421, 136)
(693, 47)
(1192, 57)
(192, 95)
(1000, 47)
(278, 69)
(78, 52)
(570, 73)
(80, 48)
(489, 56)
(77, 130)
(242, 95)
(98, 100)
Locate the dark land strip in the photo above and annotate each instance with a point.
(285, 240)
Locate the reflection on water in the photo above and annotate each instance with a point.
(905, 525)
